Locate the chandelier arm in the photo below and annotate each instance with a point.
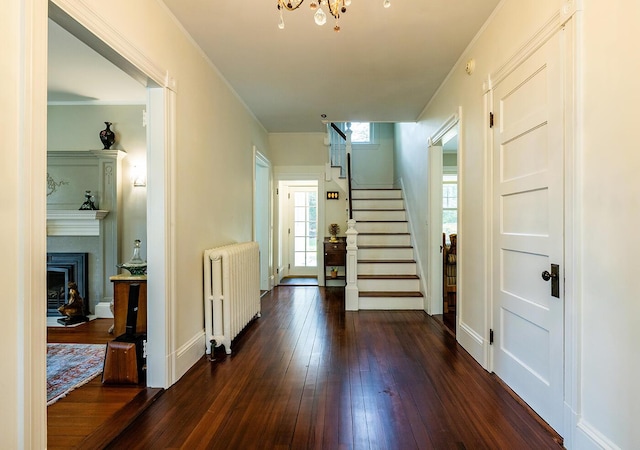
(335, 7)
(285, 4)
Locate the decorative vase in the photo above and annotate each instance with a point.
(107, 136)
(334, 274)
(136, 265)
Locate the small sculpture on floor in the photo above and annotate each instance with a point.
(74, 309)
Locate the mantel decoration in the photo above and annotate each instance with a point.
(334, 229)
(336, 7)
(89, 202)
(53, 185)
(107, 137)
(136, 265)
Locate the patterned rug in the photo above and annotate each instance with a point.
(70, 366)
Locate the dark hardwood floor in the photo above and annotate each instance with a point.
(92, 415)
(310, 375)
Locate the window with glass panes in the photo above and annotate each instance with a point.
(449, 205)
(305, 229)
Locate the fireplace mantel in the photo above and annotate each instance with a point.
(62, 222)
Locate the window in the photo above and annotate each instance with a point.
(449, 205)
(361, 133)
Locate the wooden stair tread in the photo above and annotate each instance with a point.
(382, 199)
(398, 294)
(386, 261)
(360, 247)
(384, 234)
(387, 277)
(377, 209)
(382, 221)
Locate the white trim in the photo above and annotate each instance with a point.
(546, 32)
(261, 160)
(189, 353)
(588, 438)
(447, 126)
(434, 213)
(31, 248)
(77, 17)
(434, 229)
(471, 341)
(298, 173)
(74, 222)
(419, 266)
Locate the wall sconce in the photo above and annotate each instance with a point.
(138, 176)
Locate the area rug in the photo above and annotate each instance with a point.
(70, 366)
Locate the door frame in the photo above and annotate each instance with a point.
(160, 213)
(434, 208)
(281, 252)
(263, 214)
(560, 23)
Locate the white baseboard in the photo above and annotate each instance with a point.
(189, 354)
(472, 342)
(588, 438)
(103, 310)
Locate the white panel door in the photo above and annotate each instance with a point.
(528, 154)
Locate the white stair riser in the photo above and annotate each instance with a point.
(387, 268)
(382, 227)
(375, 193)
(384, 285)
(385, 253)
(391, 303)
(384, 239)
(378, 204)
(379, 215)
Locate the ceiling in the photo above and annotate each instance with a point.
(383, 66)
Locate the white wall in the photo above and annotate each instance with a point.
(610, 195)
(605, 389)
(372, 164)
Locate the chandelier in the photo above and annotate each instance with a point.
(336, 7)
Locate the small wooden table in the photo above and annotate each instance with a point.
(335, 255)
(123, 287)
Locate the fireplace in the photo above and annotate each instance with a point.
(63, 268)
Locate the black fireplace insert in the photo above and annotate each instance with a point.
(63, 268)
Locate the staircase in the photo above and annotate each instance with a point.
(387, 272)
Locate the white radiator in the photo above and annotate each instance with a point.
(231, 291)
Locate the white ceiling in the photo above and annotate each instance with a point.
(383, 66)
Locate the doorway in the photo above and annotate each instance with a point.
(442, 159)
(450, 228)
(262, 226)
(300, 212)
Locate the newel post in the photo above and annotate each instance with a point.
(351, 294)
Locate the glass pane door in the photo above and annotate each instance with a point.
(304, 231)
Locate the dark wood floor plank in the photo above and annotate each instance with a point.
(308, 375)
(92, 408)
